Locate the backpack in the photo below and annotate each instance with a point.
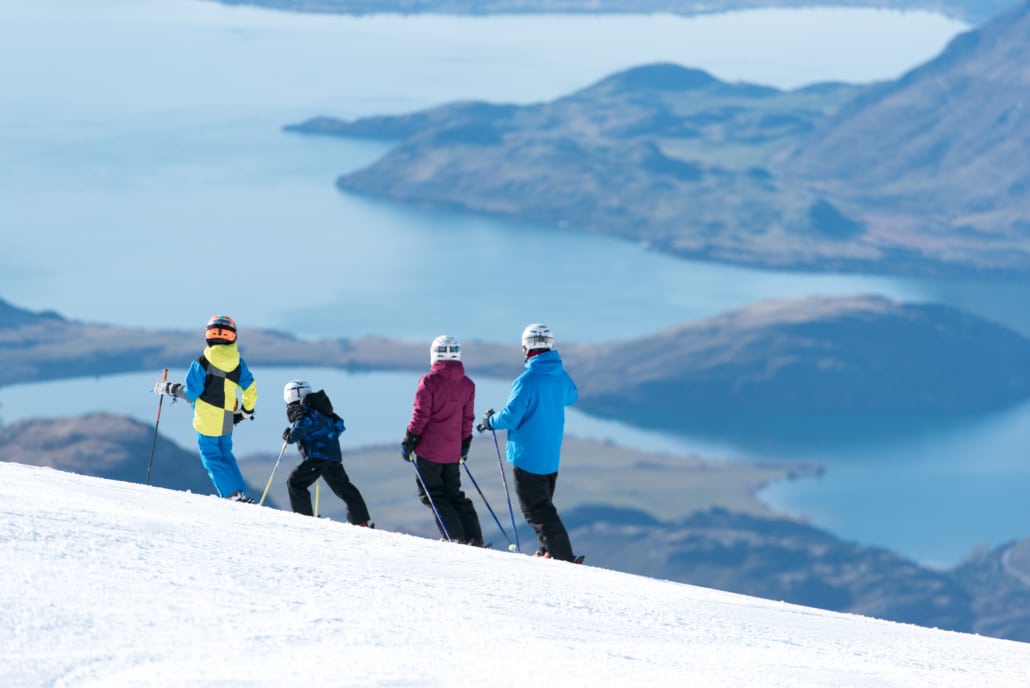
(319, 401)
(320, 430)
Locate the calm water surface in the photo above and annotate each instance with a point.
(141, 139)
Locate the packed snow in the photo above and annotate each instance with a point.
(105, 583)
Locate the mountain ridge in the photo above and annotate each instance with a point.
(919, 148)
(816, 178)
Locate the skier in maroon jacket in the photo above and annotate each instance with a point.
(438, 438)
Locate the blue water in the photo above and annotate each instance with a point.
(138, 138)
(145, 181)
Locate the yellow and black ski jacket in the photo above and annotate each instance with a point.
(213, 383)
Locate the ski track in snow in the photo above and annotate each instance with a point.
(104, 583)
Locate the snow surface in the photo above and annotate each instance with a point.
(105, 583)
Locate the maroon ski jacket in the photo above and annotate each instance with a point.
(443, 413)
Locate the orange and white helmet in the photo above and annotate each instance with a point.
(221, 329)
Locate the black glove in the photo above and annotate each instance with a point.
(408, 444)
(286, 434)
(242, 414)
(484, 424)
(294, 411)
(466, 444)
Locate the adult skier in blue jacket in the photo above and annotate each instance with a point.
(534, 417)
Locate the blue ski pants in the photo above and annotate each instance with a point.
(216, 454)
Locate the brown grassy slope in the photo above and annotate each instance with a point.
(105, 446)
(938, 158)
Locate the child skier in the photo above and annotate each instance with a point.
(438, 438)
(316, 429)
(212, 384)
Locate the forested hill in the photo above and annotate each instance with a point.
(974, 11)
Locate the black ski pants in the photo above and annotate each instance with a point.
(310, 470)
(535, 493)
(443, 480)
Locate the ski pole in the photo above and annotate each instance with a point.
(153, 445)
(507, 494)
(418, 474)
(274, 469)
(317, 486)
(496, 520)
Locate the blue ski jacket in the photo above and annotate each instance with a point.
(534, 415)
(317, 435)
(212, 383)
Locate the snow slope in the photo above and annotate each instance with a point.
(104, 583)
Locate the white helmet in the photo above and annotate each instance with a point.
(537, 336)
(444, 348)
(296, 390)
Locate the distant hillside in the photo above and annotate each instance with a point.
(12, 316)
(48, 347)
(818, 355)
(786, 560)
(663, 155)
(939, 160)
(925, 175)
(668, 487)
(826, 355)
(999, 581)
(105, 446)
(971, 10)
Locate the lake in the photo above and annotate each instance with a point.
(141, 147)
(138, 137)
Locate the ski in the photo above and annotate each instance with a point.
(577, 560)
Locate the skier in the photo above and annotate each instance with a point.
(438, 438)
(316, 429)
(212, 383)
(534, 417)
